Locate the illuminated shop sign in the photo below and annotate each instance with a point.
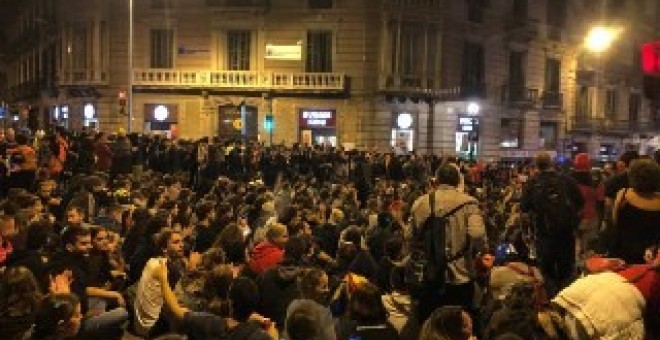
(467, 124)
(317, 118)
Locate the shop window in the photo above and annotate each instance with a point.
(319, 51)
(238, 50)
(511, 133)
(162, 48)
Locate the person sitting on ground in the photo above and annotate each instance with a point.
(269, 253)
(241, 300)
(148, 299)
(314, 293)
(281, 282)
(366, 317)
(398, 303)
(448, 323)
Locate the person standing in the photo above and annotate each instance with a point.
(554, 201)
(465, 237)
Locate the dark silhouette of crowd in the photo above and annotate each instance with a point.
(111, 236)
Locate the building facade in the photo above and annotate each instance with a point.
(482, 78)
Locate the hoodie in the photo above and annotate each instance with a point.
(279, 287)
(264, 256)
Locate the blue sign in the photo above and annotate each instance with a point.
(2, 112)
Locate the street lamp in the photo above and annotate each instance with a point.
(600, 38)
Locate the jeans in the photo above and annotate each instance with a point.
(556, 261)
(108, 325)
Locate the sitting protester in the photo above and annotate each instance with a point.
(240, 300)
(366, 317)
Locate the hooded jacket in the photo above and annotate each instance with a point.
(264, 256)
(279, 287)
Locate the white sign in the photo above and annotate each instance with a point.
(317, 114)
(283, 52)
(161, 113)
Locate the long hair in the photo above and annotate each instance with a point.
(19, 293)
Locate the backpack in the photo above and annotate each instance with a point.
(554, 211)
(429, 260)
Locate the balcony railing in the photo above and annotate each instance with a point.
(601, 125)
(240, 79)
(519, 95)
(409, 82)
(552, 100)
(82, 77)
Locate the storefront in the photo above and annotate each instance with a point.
(238, 122)
(161, 119)
(403, 132)
(90, 118)
(467, 137)
(317, 127)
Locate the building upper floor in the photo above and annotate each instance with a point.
(514, 52)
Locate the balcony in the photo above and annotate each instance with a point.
(82, 77)
(521, 29)
(552, 100)
(420, 86)
(519, 95)
(601, 125)
(240, 80)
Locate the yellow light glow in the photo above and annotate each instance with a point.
(600, 38)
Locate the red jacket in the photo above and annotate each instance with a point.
(264, 256)
(647, 280)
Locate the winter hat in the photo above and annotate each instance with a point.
(582, 162)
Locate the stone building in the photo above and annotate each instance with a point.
(481, 78)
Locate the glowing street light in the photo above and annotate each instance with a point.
(473, 109)
(600, 38)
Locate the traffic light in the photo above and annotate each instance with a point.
(269, 123)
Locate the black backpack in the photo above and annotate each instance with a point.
(428, 263)
(555, 214)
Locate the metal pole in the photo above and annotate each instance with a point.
(130, 67)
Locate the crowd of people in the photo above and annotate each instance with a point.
(104, 236)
